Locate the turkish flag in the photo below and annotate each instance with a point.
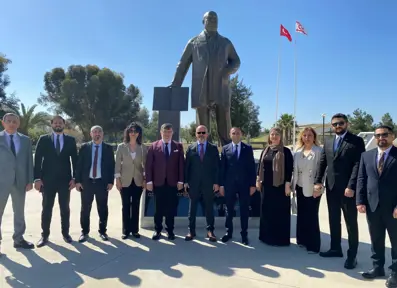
(284, 32)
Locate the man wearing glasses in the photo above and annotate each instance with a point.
(376, 185)
(341, 157)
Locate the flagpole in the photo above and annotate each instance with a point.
(295, 98)
(278, 76)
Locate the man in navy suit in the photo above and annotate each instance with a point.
(376, 196)
(237, 179)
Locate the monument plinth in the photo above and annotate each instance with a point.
(170, 102)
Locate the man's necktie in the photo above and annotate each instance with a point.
(339, 142)
(58, 145)
(167, 152)
(236, 151)
(12, 145)
(95, 162)
(201, 152)
(381, 162)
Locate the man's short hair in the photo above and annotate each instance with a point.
(166, 126)
(96, 127)
(58, 117)
(386, 127)
(340, 115)
(10, 114)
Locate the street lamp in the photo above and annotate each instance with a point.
(323, 115)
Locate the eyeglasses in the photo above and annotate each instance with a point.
(201, 133)
(133, 131)
(341, 123)
(383, 135)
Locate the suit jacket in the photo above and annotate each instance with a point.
(241, 171)
(374, 189)
(127, 168)
(202, 173)
(85, 160)
(51, 168)
(17, 169)
(307, 170)
(343, 164)
(158, 169)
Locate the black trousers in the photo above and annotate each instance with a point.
(131, 199)
(307, 223)
(243, 194)
(165, 205)
(204, 196)
(337, 201)
(98, 189)
(378, 222)
(49, 192)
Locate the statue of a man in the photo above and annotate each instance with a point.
(214, 60)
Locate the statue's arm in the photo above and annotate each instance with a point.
(183, 65)
(233, 61)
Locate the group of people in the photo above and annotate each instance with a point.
(354, 180)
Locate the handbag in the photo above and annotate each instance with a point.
(294, 205)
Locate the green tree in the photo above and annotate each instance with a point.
(143, 117)
(91, 96)
(188, 133)
(30, 120)
(286, 123)
(388, 121)
(7, 103)
(360, 121)
(244, 113)
(150, 132)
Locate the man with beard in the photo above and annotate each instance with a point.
(54, 174)
(95, 177)
(376, 185)
(341, 155)
(202, 180)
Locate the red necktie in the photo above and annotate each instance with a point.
(201, 152)
(95, 162)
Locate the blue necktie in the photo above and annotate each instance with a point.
(167, 153)
(236, 151)
(12, 145)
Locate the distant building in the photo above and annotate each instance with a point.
(319, 129)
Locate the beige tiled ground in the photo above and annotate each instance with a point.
(146, 263)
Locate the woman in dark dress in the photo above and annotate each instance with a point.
(274, 182)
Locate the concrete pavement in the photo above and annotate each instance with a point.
(145, 263)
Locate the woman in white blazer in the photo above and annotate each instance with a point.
(306, 159)
(130, 177)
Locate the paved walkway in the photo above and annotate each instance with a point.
(145, 263)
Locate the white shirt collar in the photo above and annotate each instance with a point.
(341, 136)
(15, 134)
(165, 142)
(55, 135)
(239, 144)
(386, 151)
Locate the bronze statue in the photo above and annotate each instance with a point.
(214, 60)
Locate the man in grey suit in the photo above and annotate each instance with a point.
(16, 177)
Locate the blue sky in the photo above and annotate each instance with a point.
(348, 60)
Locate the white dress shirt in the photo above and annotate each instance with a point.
(387, 151)
(16, 139)
(54, 139)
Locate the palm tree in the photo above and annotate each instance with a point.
(286, 123)
(30, 120)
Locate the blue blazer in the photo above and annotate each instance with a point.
(241, 170)
(374, 189)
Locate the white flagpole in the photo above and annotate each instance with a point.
(278, 76)
(295, 98)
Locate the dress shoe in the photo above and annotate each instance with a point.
(374, 273)
(156, 236)
(190, 236)
(83, 238)
(171, 236)
(23, 244)
(391, 282)
(350, 263)
(67, 239)
(244, 240)
(104, 236)
(226, 238)
(331, 254)
(42, 242)
(136, 235)
(124, 236)
(211, 236)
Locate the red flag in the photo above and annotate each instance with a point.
(284, 32)
(299, 28)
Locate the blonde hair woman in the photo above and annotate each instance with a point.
(306, 159)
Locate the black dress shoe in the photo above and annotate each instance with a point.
(226, 238)
(171, 236)
(83, 238)
(23, 244)
(331, 254)
(244, 240)
(374, 273)
(156, 236)
(124, 236)
(391, 282)
(67, 239)
(350, 263)
(42, 242)
(211, 236)
(136, 235)
(104, 236)
(190, 236)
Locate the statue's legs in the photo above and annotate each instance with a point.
(223, 123)
(203, 117)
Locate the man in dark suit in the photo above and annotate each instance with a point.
(164, 176)
(376, 196)
(52, 174)
(202, 180)
(237, 179)
(341, 155)
(95, 177)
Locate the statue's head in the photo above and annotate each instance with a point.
(210, 21)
